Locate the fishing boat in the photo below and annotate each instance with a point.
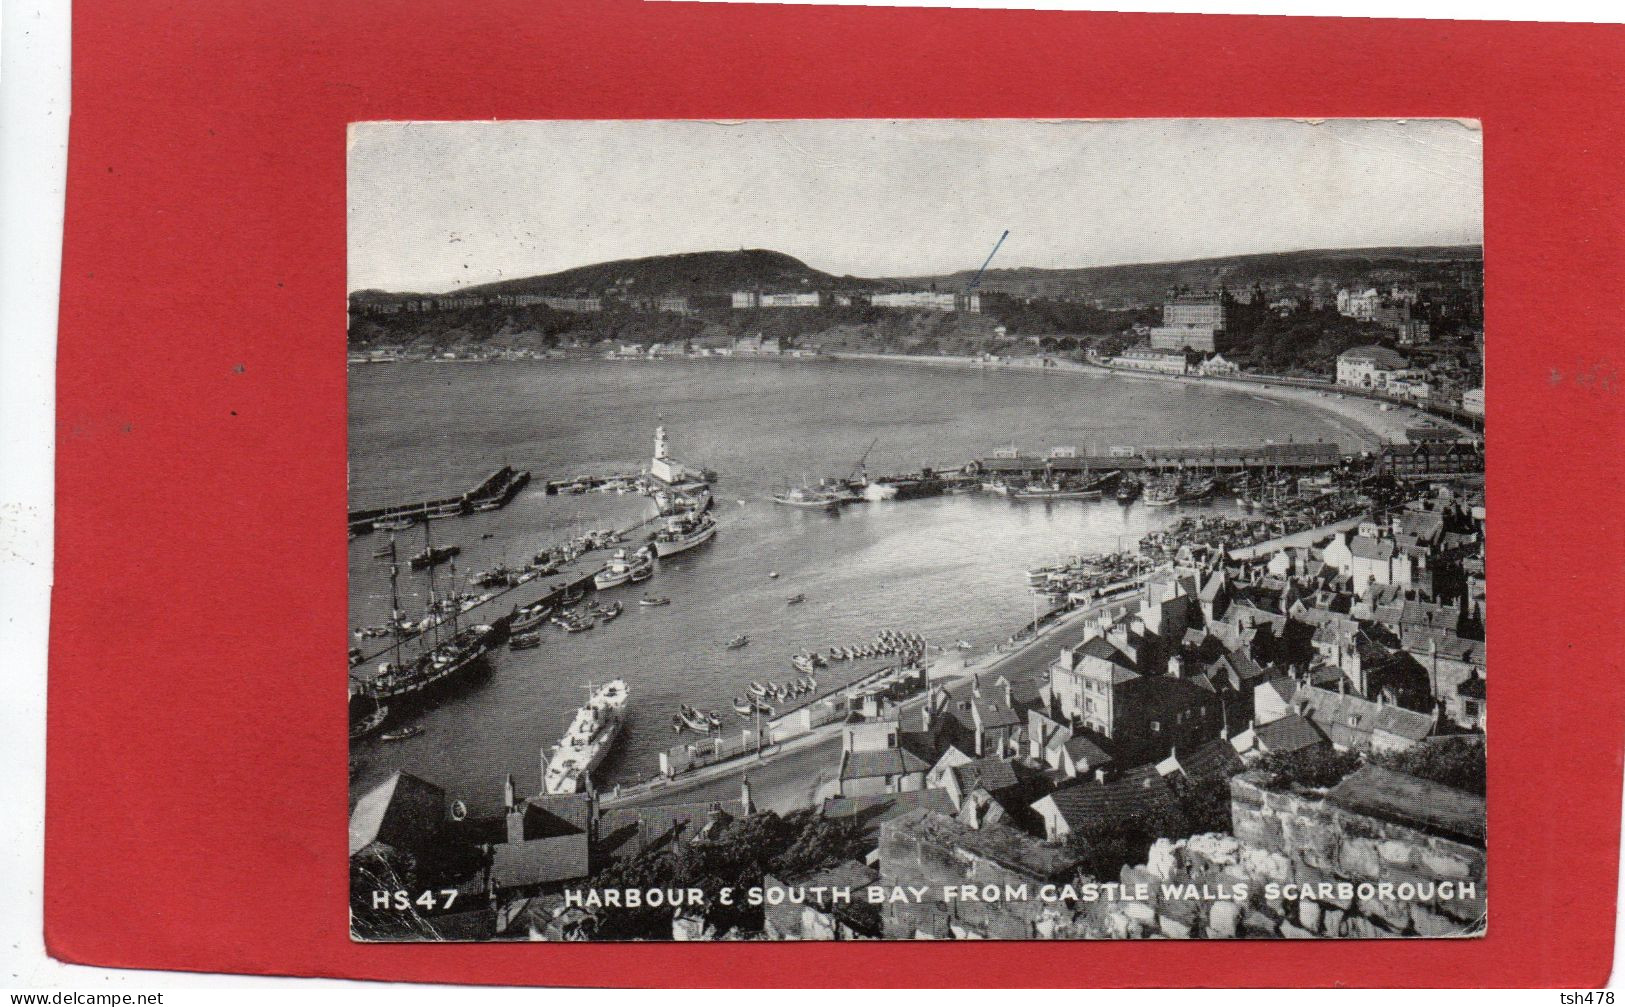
(530, 617)
(615, 573)
(744, 706)
(795, 599)
(641, 572)
(370, 721)
(579, 624)
(1199, 489)
(1128, 490)
(1054, 491)
(403, 733)
(683, 532)
(609, 612)
(394, 524)
(803, 663)
(737, 642)
(693, 719)
(524, 641)
(591, 735)
(758, 689)
(433, 556)
(1162, 494)
(807, 497)
(653, 601)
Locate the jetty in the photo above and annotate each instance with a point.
(494, 491)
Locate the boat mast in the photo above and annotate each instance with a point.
(395, 613)
(434, 599)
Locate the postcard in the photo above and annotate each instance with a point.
(856, 529)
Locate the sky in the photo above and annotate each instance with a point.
(440, 205)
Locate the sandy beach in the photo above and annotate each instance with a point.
(1365, 419)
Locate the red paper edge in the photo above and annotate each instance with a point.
(196, 792)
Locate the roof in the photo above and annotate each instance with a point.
(880, 762)
(993, 711)
(1408, 800)
(1084, 804)
(1350, 720)
(540, 861)
(1082, 749)
(1008, 847)
(404, 811)
(991, 774)
(1371, 548)
(629, 830)
(871, 811)
(1379, 355)
(1216, 760)
(1291, 733)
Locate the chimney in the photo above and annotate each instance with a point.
(976, 684)
(744, 795)
(1100, 776)
(1009, 695)
(507, 792)
(925, 713)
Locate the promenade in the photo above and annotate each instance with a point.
(788, 774)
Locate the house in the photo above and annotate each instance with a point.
(1164, 361)
(1369, 367)
(1354, 723)
(547, 843)
(1084, 806)
(1272, 700)
(889, 771)
(1217, 366)
(404, 813)
(1289, 734)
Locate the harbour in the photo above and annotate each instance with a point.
(865, 566)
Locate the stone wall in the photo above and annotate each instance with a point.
(1306, 868)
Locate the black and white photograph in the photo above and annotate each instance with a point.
(916, 530)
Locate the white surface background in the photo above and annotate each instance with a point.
(34, 92)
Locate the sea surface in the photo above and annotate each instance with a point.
(950, 568)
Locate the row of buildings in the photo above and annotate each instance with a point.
(918, 300)
(1369, 642)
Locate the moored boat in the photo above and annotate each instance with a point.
(737, 642)
(743, 706)
(683, 532)
(653, 601)
(403, 733)
(591, 735)
(609, 612)
(524, 641)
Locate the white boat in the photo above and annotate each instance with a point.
(682, 533)
(615, 573)
(588, 740)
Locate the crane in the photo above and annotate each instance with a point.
(858, 471)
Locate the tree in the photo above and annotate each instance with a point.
(1318, 766)
(1454, 762)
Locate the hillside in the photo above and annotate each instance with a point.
(690, 273)
(1147, 283)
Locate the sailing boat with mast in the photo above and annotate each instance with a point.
(448, 651)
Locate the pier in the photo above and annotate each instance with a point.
(574, 574)
(494, 491)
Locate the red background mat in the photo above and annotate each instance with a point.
(196, 811)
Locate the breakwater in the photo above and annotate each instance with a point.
(494, 491)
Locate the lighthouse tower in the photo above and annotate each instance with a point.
(663, 467)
